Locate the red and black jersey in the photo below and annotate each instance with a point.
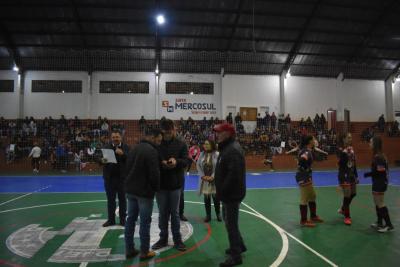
(347, 165)
(379, 173)
(304, 167)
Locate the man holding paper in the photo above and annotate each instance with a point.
(114, 172)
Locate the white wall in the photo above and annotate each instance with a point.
(305, 96)
(40, 105)
(9, 102)
(364, 98)
(214, 100)
(123, 106)
(396, 96)
(250, 91)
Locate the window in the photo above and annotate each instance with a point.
(124, 87)
(189, 88)
(6, 86)
(56, 86)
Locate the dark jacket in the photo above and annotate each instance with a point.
(143, 172)
(172, 179)
(230, 172)
(115, 173)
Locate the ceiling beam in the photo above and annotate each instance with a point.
(135, 21)
(10, 46)
(299, 41)
(372, 28)
(119, 47)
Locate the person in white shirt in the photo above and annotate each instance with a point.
(35, 155)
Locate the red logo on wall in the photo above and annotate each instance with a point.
(165, 104)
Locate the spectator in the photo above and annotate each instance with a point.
(273, 120)
(229, 118)
(238, 119)
(381, 123)
(61, 157)
(142, 123)
(35, 155)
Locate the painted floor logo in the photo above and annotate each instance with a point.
(83, 245)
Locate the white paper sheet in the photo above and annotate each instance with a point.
(109, 154)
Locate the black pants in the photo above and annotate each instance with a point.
(182, 200)
(207, 204)
(114, 189)
(36, 163)
(230, 212)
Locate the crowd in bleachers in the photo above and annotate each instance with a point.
(379, 127)
(74, 141)
(61, 140)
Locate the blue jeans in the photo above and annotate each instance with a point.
(168, 206)
(143, 207)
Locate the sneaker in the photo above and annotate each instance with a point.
(231, 262)
(376, 225)
(183, 218)
(347, 221)
(180, 246)
(385, 229)
(159, 244)
(108, 223)
(131, 254)
(307, 224)
(144, 256)
(317, 219)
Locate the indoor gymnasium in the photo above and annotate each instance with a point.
(199, 133)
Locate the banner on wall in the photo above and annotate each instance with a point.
(188, 107)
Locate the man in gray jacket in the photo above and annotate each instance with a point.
(141, 184)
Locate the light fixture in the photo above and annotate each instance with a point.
(15, 68)
(156, 71)
(63, 91)
(191, 93)
(288, 74)
(160, 19)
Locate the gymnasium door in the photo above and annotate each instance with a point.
(248, 114)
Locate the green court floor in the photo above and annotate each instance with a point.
(31, 232)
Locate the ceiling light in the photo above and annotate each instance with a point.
(160, 19)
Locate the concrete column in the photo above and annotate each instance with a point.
(157, 96)
(89, 96)
(389, 100)
(21, 92)
(282, 93)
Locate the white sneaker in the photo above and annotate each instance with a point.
(376, 225)
(386, 229)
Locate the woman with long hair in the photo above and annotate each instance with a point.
(304, 180)
(206, 169)
(379, 173)
(347, 175)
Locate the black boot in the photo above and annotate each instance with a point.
(207, 205)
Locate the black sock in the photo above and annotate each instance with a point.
(351, 197)
(378, 215)
(346, 207)
(313, 208)
(303, 212)
(386, 217)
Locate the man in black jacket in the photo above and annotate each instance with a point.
(174, 160)
(141, 184)
(114, 175)
(230, 182)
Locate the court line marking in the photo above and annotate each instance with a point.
(277, 262)
(28, 194)
(195, 190)
(285, 242)
(53, 204)
(293, 237)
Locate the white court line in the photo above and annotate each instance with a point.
(294, 238)
(11, 200)
(53, 204)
